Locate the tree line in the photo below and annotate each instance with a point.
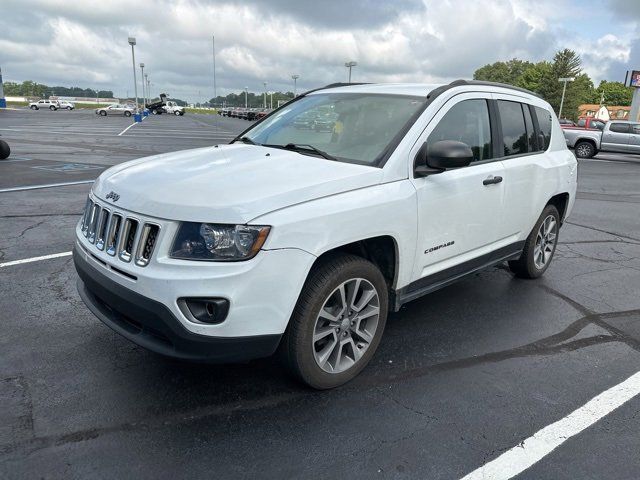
(30, 88)
(542, 78)
(254, 100)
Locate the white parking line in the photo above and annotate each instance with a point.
(35, 259)
(542, 443)
(123, 131)
(48, 185)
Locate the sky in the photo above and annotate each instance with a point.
(84, 43)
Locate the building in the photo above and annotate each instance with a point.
(615, 113)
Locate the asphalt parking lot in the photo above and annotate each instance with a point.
(462, 375)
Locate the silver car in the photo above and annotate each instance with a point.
(116, 109)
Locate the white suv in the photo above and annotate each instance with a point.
(50, 104)
(302, 241)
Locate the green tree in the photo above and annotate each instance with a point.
(615, 93)
(503, 72)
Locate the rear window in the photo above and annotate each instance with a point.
(544, 124)
(514, 131)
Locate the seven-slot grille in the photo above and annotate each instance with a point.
(120, 236)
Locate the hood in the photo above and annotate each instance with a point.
(227, 184)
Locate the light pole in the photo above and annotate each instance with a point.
(271, 100)
(246, 91)
(132, 42)
(350, 65)
(295, 84)
(144, 98)
(146, 81)
(265, 94)
(564, 80)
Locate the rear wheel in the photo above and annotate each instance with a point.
(103, 113)
(338, 322)
(539, 247)
(585, 150)
(52, 108)
(34, 107)
(5, 151)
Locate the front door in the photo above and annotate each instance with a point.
(459, 210)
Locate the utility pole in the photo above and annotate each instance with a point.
(564, 80)
(146, 81)
(271, 105)
(350, 65)
(246, 91)
(295, 80)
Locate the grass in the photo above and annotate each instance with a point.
(205, 111)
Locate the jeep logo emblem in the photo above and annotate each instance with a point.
(113, 196)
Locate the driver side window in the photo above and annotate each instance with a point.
(467, 122)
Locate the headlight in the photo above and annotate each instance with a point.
(214, 242)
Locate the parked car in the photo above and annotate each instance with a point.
(616, 136)
(302, 242)
(116, 109)
(565, 122)
(263, 113)
(63, 104)
(589, 123)
(50, 104)
(5, 151)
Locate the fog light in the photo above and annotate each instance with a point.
(207, 310)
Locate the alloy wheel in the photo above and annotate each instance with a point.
(545, 242)
(346, 325)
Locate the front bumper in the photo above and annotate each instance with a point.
(153, 326)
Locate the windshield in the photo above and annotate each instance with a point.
(349, 127)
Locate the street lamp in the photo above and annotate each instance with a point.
(146, 81)
(265, 94)
(295, 80)
(564, 80)
(350, 65)
(144, 101)
(132, 42)
(246, 91)
(271, 104)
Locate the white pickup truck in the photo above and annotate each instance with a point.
(616, 136)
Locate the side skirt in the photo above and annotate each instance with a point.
(451, 275)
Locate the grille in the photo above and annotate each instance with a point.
(123, 237)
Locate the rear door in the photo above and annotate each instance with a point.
(616, 137)
(524, 162)
(459, 210)
(634, 138)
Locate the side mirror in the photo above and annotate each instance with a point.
(440, 156)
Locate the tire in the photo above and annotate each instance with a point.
(5, 151)
(529, 265)
(69, 108)
(103, 113)
(176, 113)
(585, 150)
(127, 114)
(302, 355)
(52, 108)
(34, 107)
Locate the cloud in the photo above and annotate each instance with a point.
(85, 43)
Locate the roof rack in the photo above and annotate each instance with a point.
(458, 83)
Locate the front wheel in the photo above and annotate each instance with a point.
(337, 323)
(5, 151)
(539, 247)
(127, 114)
(69, 108)
(176, 113)
(34, 107)
(103, 113)
(585, 150)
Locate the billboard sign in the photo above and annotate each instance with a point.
(635, 79)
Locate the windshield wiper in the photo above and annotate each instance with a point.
(299, 147)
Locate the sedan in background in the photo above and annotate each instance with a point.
(116, 109)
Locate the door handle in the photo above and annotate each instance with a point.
(492, 180)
